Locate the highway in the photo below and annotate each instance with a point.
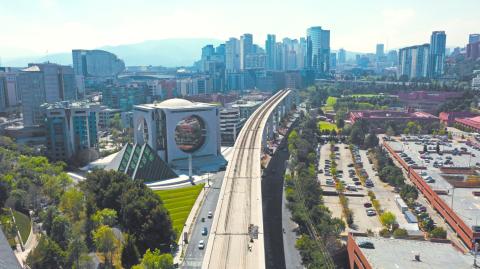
(236, 238)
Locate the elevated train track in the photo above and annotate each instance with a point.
(236, 236)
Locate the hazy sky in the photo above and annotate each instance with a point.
(36, 26)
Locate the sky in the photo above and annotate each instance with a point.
(35, 27)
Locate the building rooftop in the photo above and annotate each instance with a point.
(400, 253)
(473, 122)
(390, 114)
(465, 203)
(176, 103)
(70, 104)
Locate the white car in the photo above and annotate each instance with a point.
(201, 244)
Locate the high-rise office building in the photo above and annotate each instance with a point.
(44, 83)
(436, 64)
(96, 63)
(9, 96)
(271, 50)
(318, 49)
(342, 56)
(473, 38)
(379, 52)
(413, 61)
(246, 47)
(232, 55)
(392, 57)
(71, 127)
(333, 60)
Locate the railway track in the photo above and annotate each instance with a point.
(239, 207)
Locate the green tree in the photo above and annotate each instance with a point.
(371, 140)
(409, 192)
(4, 192)
(340, 123)
(75, 251)
(400, 233)
(388, 219)
(357, 135)
(130, 255)
(105, 242)
(155, 260)
(105, 216)
(47, 254)
(60, 232)
(72, 203)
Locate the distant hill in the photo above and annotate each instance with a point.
(166, 52)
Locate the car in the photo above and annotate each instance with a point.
(420, 209)
(371, 212)
(350, 165)
(430, 180)
(210, 214)
(367, 204)
(320, 171)
(330, 182)
(355, 179)
(351, 187)
(204, 231)
(357, 183)
(201, 244)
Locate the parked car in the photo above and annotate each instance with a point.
(366, 244)
(204, 231)
(210, 214)
(367, 204)
(371, 212)
(201, 244)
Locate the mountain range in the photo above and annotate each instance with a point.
(165, 52)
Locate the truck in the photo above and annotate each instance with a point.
(401, 204)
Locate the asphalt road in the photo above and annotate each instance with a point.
(194, 255)
(272, 190)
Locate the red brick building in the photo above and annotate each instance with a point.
(448, 118)
(472, 123)
(379, 118)
(426, 101)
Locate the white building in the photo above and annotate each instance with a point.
(230, 125)
(177, 128)
(476, 82)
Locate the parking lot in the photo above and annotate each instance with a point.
(343, 158)
(434, 168)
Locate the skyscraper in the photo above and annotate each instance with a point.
(318, 49)
(413, 61)
(96, 63)
(271, 50)
(379, 54)
(232, 55)
(436, 61)
(246, 47)
(44, 83)
(473, 38)
(342, 56)
(71, 127)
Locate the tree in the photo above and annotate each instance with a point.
(371, 140)
(4, 192)
(60, 232)
(357, 135)
(105, 216)
(72, 203)
(155, 260)
(105, 242)
(76, 249)
(340, 123)
(408, 192)
(130, 255)
(388, 219)
(47, 254)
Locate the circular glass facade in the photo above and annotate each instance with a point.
(190, 133)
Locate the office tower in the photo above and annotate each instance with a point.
(44, 83)
(473, 38)
(436, 63)
(9, 96)
(318, 49)
(96, 63)
(271, 51)
(333, 60)
(342, 56)
(301, 50)
(246, 47)
(392, 57)
(125, 97)
(3, 95)
(289, 61)
(413, 61)
(71, 128)
(279, 56)
(207, 52)
(379, 53)
(232, 55)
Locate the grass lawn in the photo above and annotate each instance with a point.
(365, 95)
(23, 225)
(179, 202)
(331, 101)
(325, 125)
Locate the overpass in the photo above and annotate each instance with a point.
(236, 238)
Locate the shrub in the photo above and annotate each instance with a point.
(384, 232)
(388, 219)
(438, 232)
(400, 233)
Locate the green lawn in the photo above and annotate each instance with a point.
(365, 95)
(324, 125)
(179, 202)
(331, 101)
(23, 225)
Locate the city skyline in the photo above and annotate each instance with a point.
(85, 27)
